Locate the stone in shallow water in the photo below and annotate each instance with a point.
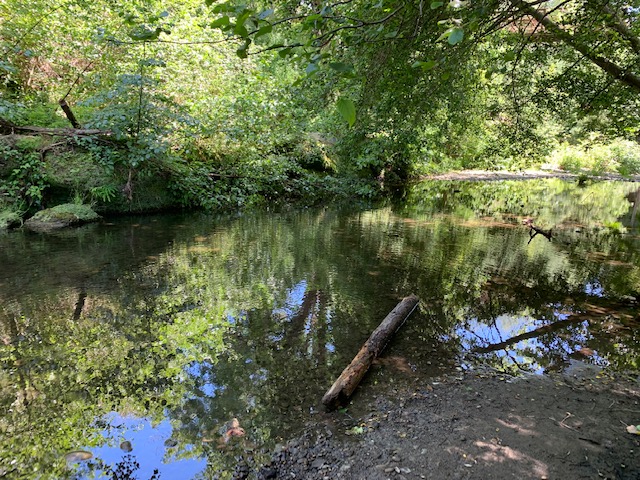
(61, 216)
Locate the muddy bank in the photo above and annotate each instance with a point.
(473, 426)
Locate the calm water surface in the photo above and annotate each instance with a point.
(139, 340)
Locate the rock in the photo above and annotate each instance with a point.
(318, 463)
(268, 473)
(61, 216)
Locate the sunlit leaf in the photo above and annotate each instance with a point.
(220, 22)
(428, 65)
(435, 5)
(347, 109)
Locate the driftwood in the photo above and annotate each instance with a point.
(347, 382)
(534, 230)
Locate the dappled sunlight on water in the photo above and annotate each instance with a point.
(167, 328)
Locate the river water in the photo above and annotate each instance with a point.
(138, 340)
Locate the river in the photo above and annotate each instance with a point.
(136, 341)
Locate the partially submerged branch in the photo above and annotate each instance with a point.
(534, 230)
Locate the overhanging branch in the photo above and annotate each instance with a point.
(614, 70)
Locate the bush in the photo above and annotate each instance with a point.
(621, 156)
(627, 155)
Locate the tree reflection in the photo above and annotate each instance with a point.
(204, 320)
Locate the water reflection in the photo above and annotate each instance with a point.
(183, 323)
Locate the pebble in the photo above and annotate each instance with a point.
(268, 473)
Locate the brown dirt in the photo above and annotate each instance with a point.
(473, 426)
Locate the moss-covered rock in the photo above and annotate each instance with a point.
(9, 219)
(61, 216)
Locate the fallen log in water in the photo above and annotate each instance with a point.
(347, 382)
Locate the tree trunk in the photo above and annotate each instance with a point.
(69, 113)
(8, 128)
(347, 382)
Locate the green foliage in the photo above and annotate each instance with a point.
(104, 193)
(347, 109)
(619, 156)
(27, 182)
(9, 218)
(434, 88)
(627, 155)
(29, 144)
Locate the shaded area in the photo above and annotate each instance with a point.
(477, 426)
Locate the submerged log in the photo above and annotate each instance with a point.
(347, 382)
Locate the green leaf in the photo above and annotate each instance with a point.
(264, 30)
(456, 35)
(347, 109)
(241, 30)
(428, 65)
(341, 67)
(163, 14)
(509, 56)
(435, 5)
(311, 68)
(242, 51)
(220, 22)
(285, 52)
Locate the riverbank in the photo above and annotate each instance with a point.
(474, 426)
